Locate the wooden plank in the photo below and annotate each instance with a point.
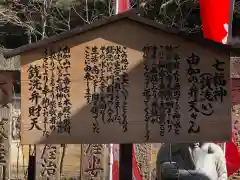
(4, 142)
(154, 153)
(47, 162)
(126, 90)
(93, 162)
(71, 161)
(6, 85)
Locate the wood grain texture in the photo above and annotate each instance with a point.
(121, 34)
(48, 162)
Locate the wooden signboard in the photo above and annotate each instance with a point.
(48, 162)
(105, 86)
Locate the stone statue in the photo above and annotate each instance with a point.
(194, 161)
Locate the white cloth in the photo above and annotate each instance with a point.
(194, 162)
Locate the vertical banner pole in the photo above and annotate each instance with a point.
(116, 6)
(81, 162)
(31, 167)
(111, 162)
(170, 152)
(125, 150)
(138, 5)
(125, 162)
(231, 11)
(10, 137)
(224, 148)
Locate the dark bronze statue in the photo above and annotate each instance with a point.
(194, 161)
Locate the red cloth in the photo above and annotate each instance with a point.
(122, 5)
(232, 156)
(115, 168)
(215, 14)
(115, 174)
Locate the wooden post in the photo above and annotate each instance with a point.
(92, 161)
(47, 162)
(31, 167)
(81, 162)
(125, 162)
(5, 145)
(138, 4)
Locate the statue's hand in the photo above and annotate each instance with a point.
(169, 170)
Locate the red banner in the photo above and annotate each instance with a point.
(122, 5)
(215, 15)
(232, 156)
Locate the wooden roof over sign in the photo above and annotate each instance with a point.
(132, 15)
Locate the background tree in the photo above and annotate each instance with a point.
(27, 21)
